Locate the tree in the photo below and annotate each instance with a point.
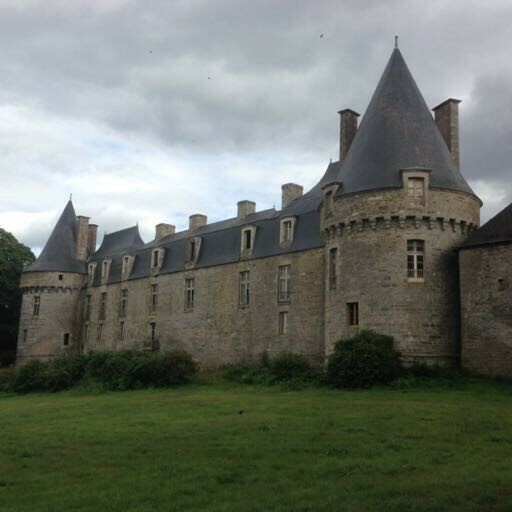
(13, 257)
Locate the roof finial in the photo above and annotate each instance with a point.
(70, 196)
(396, 41)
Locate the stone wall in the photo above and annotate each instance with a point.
(370, 232)
(42, 336)
(218, 330)
(486, 307)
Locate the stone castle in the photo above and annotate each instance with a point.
(388, 239)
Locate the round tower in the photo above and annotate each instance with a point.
(49, 321)
(392, 221)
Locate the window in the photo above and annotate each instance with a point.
(104, 270)
(502, 284)
(88, 306)
(283, 285)
(328, 203)
(286, 231)
(189, 294)
(99, 334)
(247, 239)
(154, 260)
(91, 270)
(283, 322)
(124, 302)
(121, 331)
(153, 301)
(333, 256)
(416, 191)
(66, 339)
(353, 313)
(244, 288)
(103, 306)
(86, 332)
(192, 250)
(37, 305)
(152, 330)
(127, 266)
(415, 260)
(60, 277)
(25, 333)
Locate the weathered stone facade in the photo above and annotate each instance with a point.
(372, 246)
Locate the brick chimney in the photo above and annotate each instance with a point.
(91, 238)
(348, 129)
(447, 120)
(82, 237)
(245, 208)
(196, 221)
(290, 192)
(162, 230)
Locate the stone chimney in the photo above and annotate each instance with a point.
(348, 129)
(162, 230)
(447, 120)
(245, 208)
(91, 238)
(196, 221)
(290, 192)
(82, 237)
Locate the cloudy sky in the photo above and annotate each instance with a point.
(152, 110)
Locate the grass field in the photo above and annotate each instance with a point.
(235, 448)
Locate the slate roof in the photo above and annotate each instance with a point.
(120, 242)
(58, 255)
(497, 230)
(398, 132)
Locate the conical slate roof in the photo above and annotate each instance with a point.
(496, 230)
(59, 252)
(398, 132)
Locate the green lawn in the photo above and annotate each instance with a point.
(318, 450)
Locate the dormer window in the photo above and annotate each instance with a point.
(193, 249)
(416, 184)
(286, 232)
(105, 270)
(328, 203)
(416, 191)
(247, 241)
(90, 272)
(157, 258)
(127, 266)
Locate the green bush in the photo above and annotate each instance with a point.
(31, 376)
(286, 367)
(363, 361)
(7, 379)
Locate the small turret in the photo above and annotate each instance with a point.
(51, 288)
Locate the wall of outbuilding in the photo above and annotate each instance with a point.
(486, 309)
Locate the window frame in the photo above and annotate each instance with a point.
(353, 314)
(153, 298)
(123, 302)
(189, 294)
(102, 309)
(36, 305)
(244, 288)
(282, 323)
(415, 250)
(333, 268)
(284, 274)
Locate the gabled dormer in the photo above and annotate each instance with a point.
(247, 240)
(127, 266)
(193, 251)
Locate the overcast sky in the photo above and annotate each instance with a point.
(150, 111)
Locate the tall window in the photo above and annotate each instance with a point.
(91, 268)
(153, 300)
(192, 250)
(103, 306)
(86, 332)
(353, 313)
(415, 259)
(37, 305)
(124, 302)
(88, 307)
(244, 285)
(283, 322)
(416, 191)
(152, 330)
(104, 269)
(99, 333)
(283, 285)
(25, 333)
(333, 256)
(154, 258)
(189, 294)
(247, 239)
(121, 331)
(66, 339)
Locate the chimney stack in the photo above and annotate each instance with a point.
(162, 230)
(348, 129)
(245, 208)
(290, 192)
(196, 221)
(82, 237)
(91, 238)
(447, 120)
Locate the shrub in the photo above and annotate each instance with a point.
(365, 360)
(287, 367)
(171, 369)
(7, 379)
(31, 376)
